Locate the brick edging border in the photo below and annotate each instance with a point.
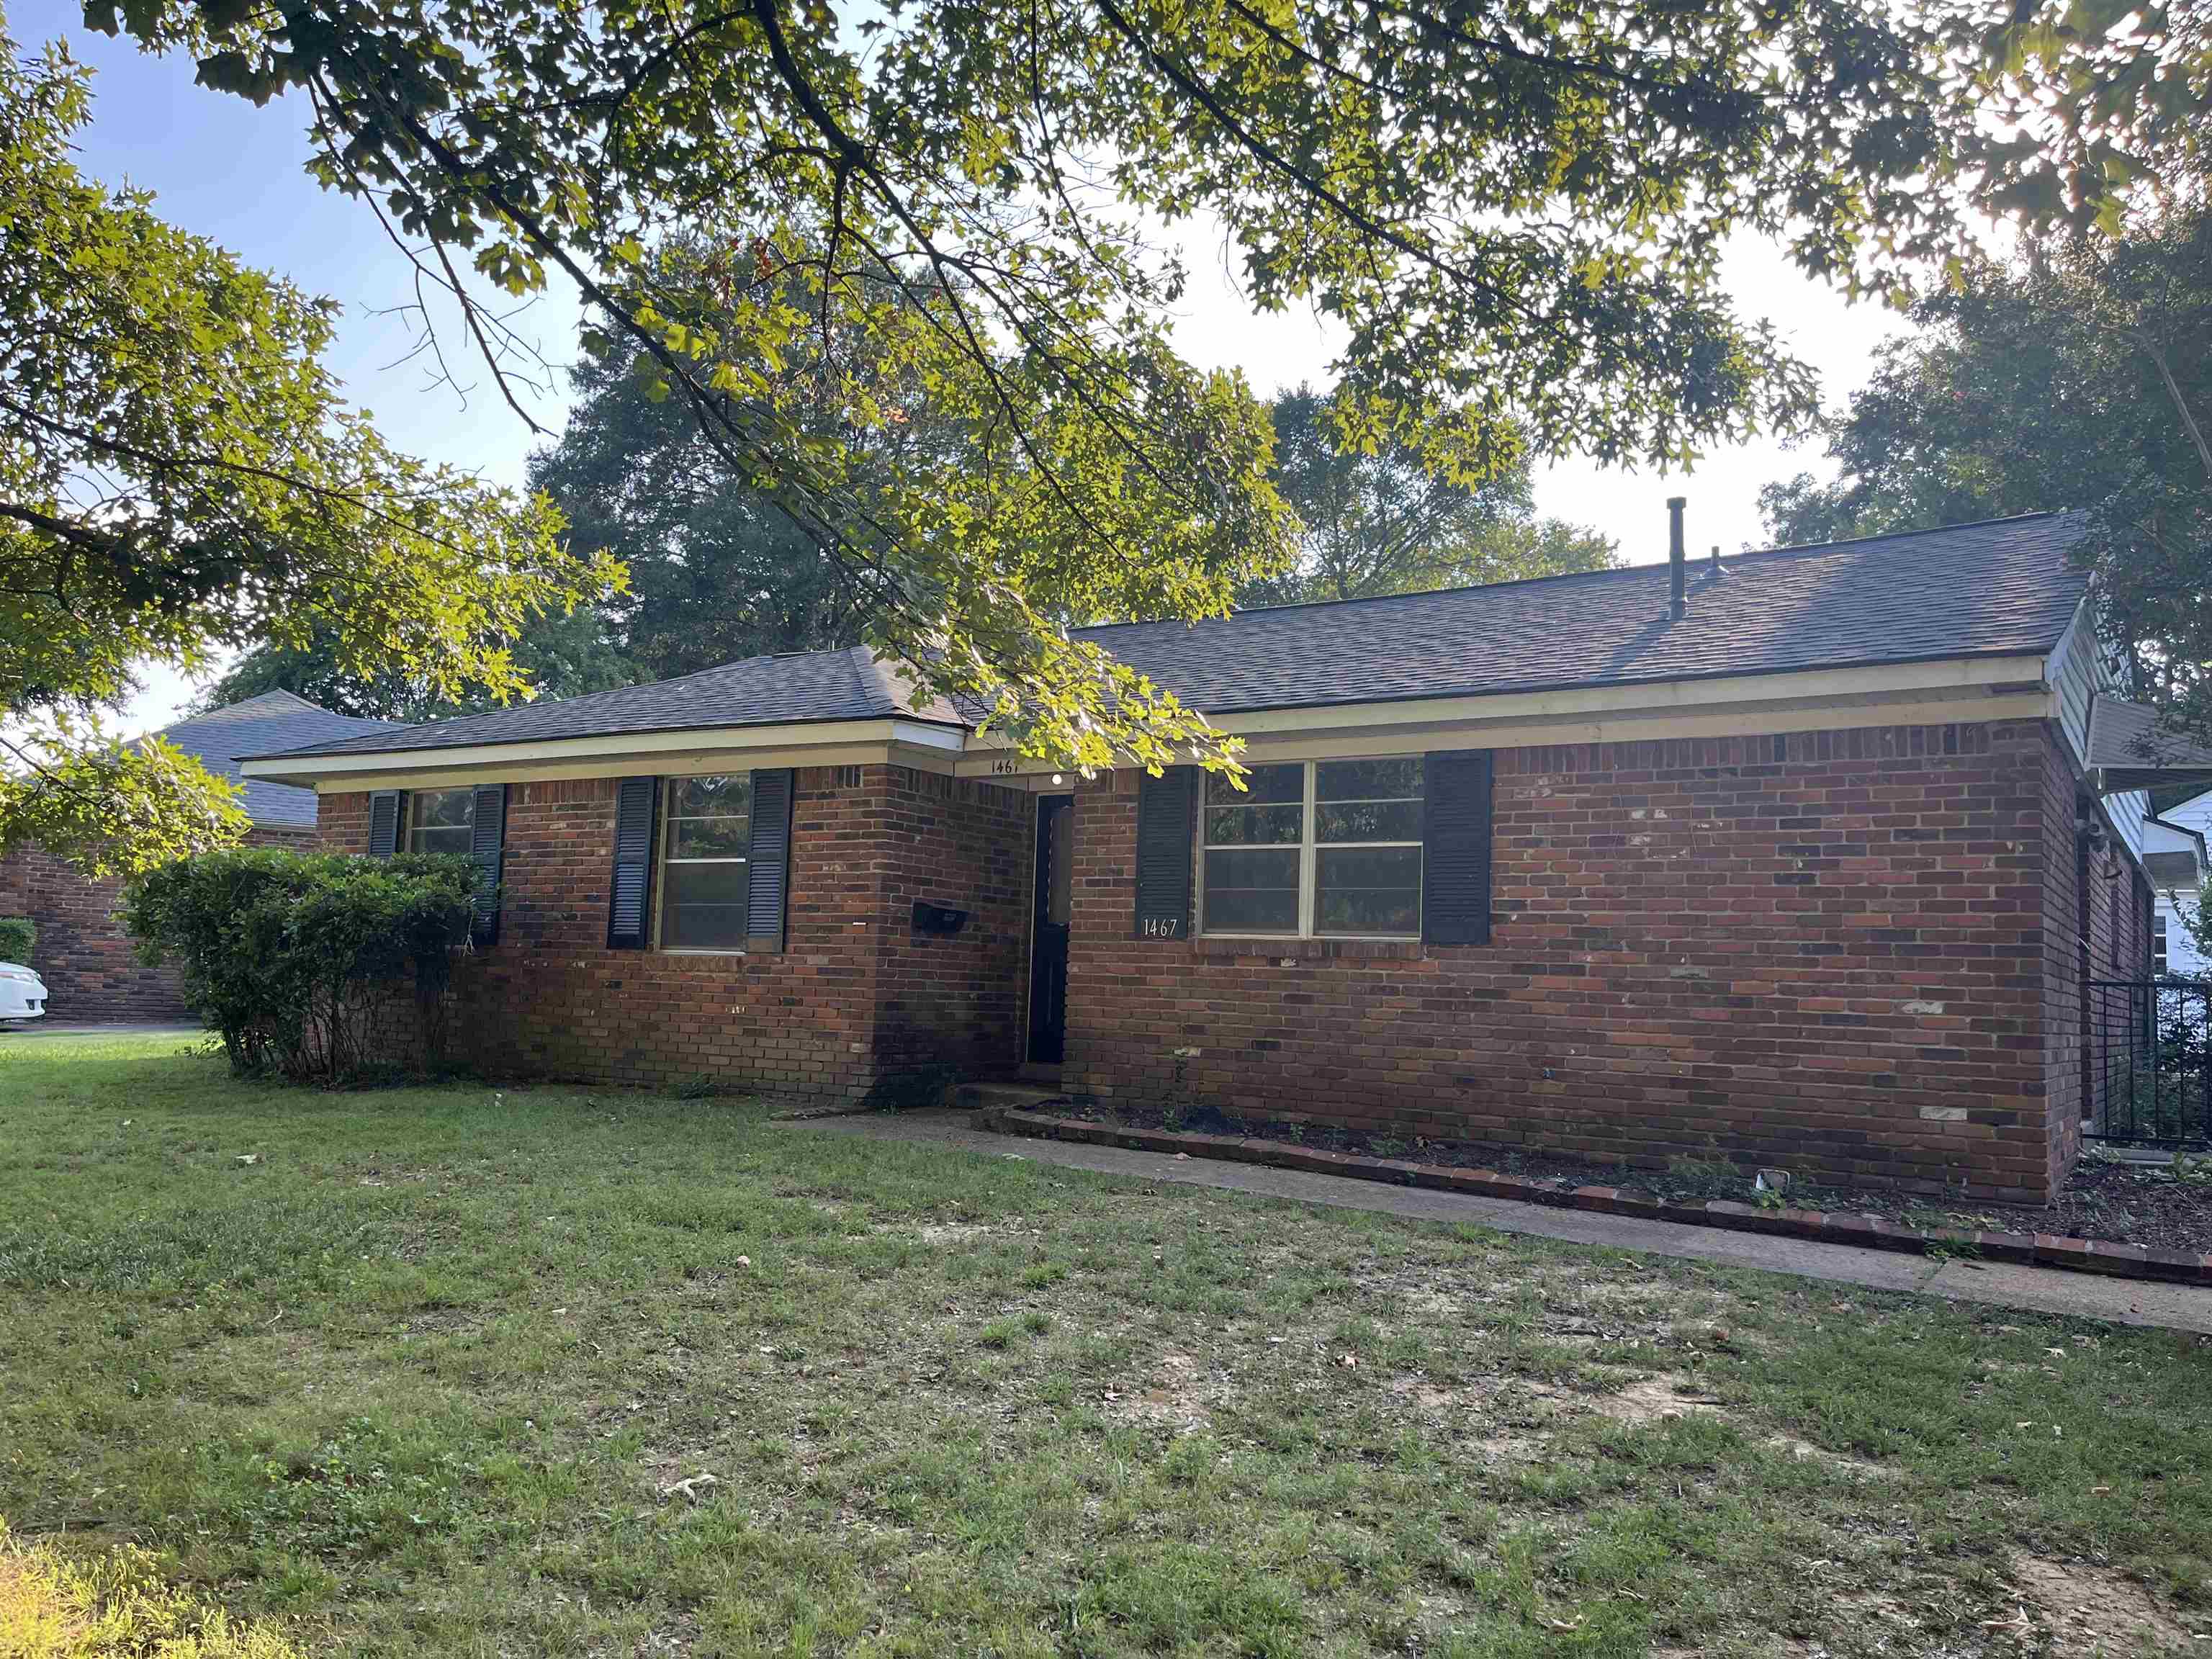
(2092, 1255)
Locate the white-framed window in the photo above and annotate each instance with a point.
(706, 840)
(2158, 943)
(440, 820)
(1313, 849)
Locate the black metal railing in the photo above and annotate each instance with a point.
(2149, 1071)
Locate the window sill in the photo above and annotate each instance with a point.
(700, 950)
(1307, 949)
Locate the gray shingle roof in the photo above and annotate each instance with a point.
(801, 687)
(275, 720)
(1992, 588)
(2000, 587)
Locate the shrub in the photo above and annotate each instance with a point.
(18, 935)
(305, 961)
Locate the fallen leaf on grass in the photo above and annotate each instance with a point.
(691, 1486)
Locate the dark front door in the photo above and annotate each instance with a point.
(1055, 887)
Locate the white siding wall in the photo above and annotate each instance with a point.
(2079, 670)
(2182, 956)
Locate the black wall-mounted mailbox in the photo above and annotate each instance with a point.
(938, 918)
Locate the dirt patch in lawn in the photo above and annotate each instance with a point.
(1178, 1396)
(2092, 1609)
(1652, 1400)
(950, 1232)
(2162, 1206)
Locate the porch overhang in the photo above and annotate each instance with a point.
(2129, 748)
(2174, 856)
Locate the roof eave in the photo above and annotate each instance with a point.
(800, 742)
(1938, 687)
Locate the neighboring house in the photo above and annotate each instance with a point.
(89, 964)
(1810, 866)
(2174, 858)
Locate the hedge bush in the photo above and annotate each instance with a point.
(317, 966)
(18, 935)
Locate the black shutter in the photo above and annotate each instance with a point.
(628, 913)
(487, 848)
(1455, 833)
(770, 867)
(384, 823)
(1165, 804)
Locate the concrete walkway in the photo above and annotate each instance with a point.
(63, 1028)
(2040, 1289)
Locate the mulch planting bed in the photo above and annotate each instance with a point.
(2166, 1207)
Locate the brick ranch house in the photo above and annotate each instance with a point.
(89, 964)
(1805, 860)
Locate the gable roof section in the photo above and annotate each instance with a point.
(275, 720)
(2002, 588)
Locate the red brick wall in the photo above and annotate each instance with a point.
(1826, 951)
(90, 965)
(954, 998)
(2098, 929)
(853, 997)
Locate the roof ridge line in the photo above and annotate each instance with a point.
(1798, 548)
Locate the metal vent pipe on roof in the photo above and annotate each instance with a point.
(1678, 604)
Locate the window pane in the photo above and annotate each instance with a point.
(445, 808)
(716, 797)
(709, 838)
(438, 820)
(1367, 820)
(703, 906)
(1368, 779)
(440, 841)
(1368, 800)
(1254, 826)
(1252, 892)
(1368, 889)
(1262, 784)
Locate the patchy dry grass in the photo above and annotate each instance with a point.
(62, 1603)
(446, 1371)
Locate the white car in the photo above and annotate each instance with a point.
(23, 993)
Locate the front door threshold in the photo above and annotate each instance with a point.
(1044, 1074)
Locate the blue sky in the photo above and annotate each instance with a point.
(227, 170)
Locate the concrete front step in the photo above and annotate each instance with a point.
(1006, 1096)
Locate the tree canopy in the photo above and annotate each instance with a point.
(1515, 212)
(1385, 522)
(718, 571)
(717, 574)
(557, 654)
(2079, 375)
(179, 476)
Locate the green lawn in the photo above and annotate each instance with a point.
(423, 1375)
